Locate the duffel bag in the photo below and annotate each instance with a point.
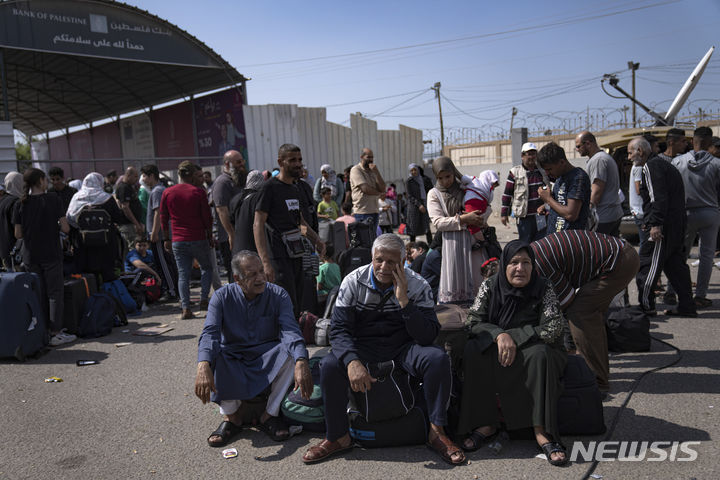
(628, 330)
(391, 396)
(310, 413)
(410, 429)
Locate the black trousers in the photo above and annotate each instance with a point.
(289, 275)
(666, 255)
(226, 255)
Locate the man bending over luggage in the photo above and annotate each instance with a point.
(587, 270)
(383, 312)
(250, 342)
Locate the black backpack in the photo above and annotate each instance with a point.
(94, 225)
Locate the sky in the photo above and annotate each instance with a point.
(381, 58)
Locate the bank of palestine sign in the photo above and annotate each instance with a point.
(96, 29)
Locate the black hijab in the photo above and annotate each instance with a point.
(506, 300)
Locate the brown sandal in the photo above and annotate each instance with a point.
(445, 447)
(324, 450)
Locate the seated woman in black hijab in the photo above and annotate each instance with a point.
(515, 350)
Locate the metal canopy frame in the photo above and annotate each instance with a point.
(47, 91)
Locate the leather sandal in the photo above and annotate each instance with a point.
(554, 447)
(445, 447)
(226, 431)
(477, 439)
(324, 450)
(272, 426)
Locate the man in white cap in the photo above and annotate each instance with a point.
(521, 196)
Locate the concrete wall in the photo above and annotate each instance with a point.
(269, 126)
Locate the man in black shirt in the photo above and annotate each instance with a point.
(127, 197)
(64, 191)
(278, 209)
(110, 180)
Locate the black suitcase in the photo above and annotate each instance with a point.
(453, 334)
(580, 409)
(75, 298)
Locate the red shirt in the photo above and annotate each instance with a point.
(186, 207)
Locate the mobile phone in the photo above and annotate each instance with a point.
(82, 363)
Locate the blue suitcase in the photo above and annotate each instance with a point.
(23, 330)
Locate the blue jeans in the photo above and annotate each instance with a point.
(372, 216)
(527, 229)
(184, 253)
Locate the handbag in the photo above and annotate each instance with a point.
(391, 396)
(291, 239)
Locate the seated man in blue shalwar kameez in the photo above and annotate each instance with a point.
(250, 341)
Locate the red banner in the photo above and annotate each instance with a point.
(58, 147)
(173, 131)
(106, 141)
(81, 145)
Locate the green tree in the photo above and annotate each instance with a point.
(23, 156)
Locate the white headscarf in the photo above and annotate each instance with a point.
(418, 178)
(487, 179)
(14, 184)
(91, 193)
(76, 184)
(331, 181)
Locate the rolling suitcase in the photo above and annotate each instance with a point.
(580, 409)
(23, 330)
(76, 294)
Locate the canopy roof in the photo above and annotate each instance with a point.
(72, 62)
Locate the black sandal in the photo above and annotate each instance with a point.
(477, 439)
(554, 447)
(273, 425)
(226, 431)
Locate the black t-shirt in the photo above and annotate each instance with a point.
(7, 229)
(65, 195)
(126, 193)
(308, 207)
(282, 204)
(38, 215)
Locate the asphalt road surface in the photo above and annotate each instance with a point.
(134, 415)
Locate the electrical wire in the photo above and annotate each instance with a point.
(615, 421)
(368, 100)
(530, 28)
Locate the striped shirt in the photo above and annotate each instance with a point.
(572, 258)
(535, 181)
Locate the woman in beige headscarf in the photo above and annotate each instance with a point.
(460, 275)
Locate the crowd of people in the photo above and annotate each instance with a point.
(547, 299)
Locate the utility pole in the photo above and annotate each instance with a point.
(436, 88)
(633, 66)
(512, 117)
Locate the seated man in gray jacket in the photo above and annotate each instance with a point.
(384, 312)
